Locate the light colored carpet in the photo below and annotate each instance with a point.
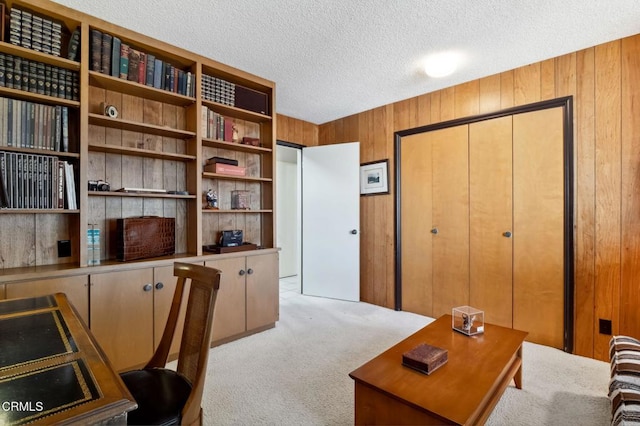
(297, 373)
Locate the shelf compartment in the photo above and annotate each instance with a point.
(35, 97)
(33, 55)
(215, 143)
(234, 112)
(39, 151)
(236, 211)
(240, 178)
(136, 89)
(135, 126)
(138, 195)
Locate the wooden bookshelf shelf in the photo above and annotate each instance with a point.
(40, 151)
(240, 178)
(138, 195)
(117, 149)
(34, 97)
(208, 211)
(134, 126)
(136, 89)
(38, 211)
(236, 112)
(45, 58)
(215, 143)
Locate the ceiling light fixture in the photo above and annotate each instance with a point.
(441, 64)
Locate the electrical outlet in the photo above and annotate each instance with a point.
(605, 326)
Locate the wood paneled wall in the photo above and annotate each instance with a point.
(605, 84)
(296, 131)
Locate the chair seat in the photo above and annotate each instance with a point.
(160, 394)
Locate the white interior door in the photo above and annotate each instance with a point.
(331, 221)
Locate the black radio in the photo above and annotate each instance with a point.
(231, 238)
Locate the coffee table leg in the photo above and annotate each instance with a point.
(517, 378)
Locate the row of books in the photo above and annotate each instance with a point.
(218, 90)
(32, 31)
(38, 77)
(216, 126)
(31, 181)
(112, 56)
(25, 124)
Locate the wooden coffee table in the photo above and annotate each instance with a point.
(464, 391)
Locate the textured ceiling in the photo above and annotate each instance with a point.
(333, 58)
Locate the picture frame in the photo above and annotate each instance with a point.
(374, 178)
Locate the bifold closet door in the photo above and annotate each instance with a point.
(538, 228)
(415, 213)
(435, 221)
(490, 219)
(450, 218)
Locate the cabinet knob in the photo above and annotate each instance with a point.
(147, 287)
(249, 271)
(159, 286)
(434, 231)
(507, 234)
(241, 272)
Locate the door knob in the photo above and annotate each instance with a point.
(354, 232)
(159, 286)
(507, 234)
(434, 231)
(249, 271)
(147, 287)
(241, 272)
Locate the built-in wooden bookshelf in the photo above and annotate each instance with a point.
(155, 141)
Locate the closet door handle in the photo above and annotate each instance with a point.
(434, 231)
(241, 272)
(147, 287)
(507, 234)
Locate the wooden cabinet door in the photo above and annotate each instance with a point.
(262, 290)
(75, 287)
(122, 316)
(490, 217)
(450, 162)
(229, 314)
(538, 228)
(416, 220)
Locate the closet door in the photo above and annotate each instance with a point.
(450, 217)
(538, 228)
(490, 219)
(415, 213)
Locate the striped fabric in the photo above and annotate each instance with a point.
(624, 387)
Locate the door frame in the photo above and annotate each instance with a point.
(566, 103)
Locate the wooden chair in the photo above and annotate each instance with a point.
(167, 397)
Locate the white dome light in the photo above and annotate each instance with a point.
(441, 64)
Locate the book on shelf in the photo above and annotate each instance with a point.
(158, 73)
(142, 69)
(70, 186)
(95, 38)
(105, 53)
(225, 169)
(124, 60)
(151, 66)
(222, 160)
(73, 49)
(142, 190)
(115, 57)
(134, 64)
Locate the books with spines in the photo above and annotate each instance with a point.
(17, 72)
(158, 74)
(55, 74)
(2, 69)
(115, 56)
(4, 196)
(70, 186)
(40, 75)
(222, 160)
(134, 63)
(32, 75)
(73, 50)
(68, 85)
(142, 69)
(96, 50)
(24, 71)
(8, 73)
(62, 82)
(151, 66)
(105, 64)
(124, 60)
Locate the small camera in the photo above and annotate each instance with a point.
(109, 110)
(99, 185)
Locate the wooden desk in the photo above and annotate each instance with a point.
(464, 391)
(52, 371)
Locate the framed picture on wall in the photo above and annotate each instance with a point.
(374, 178)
